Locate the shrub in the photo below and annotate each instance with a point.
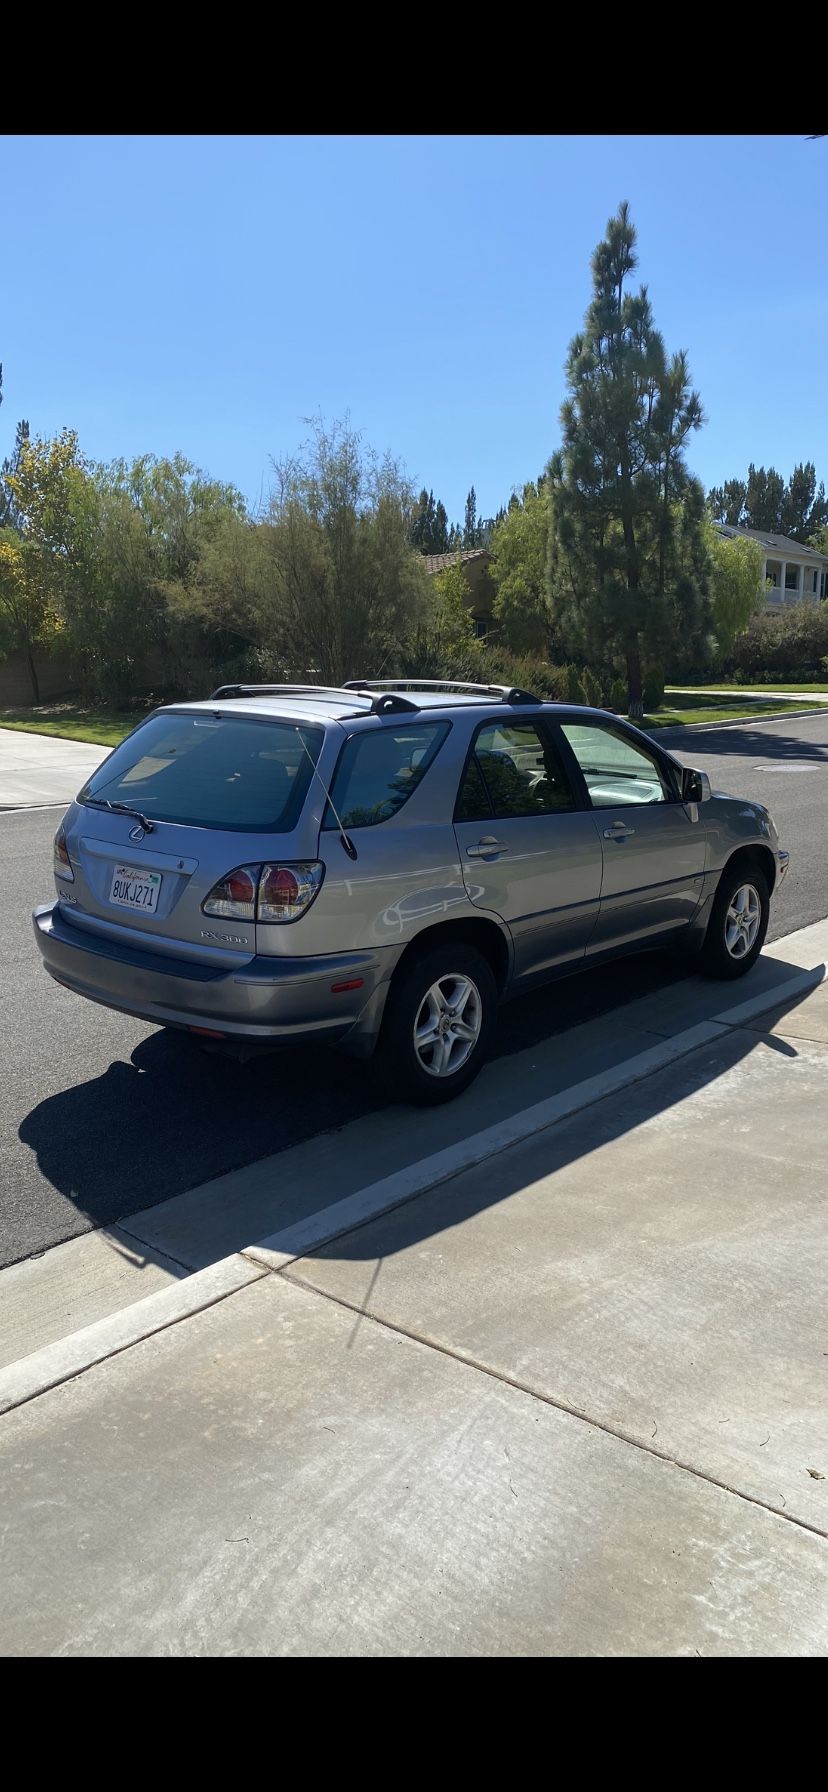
(778, 644)
(592, 693)
(617, 696)
(495, 665)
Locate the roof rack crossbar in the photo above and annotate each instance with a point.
(226, 691)
(378, 699)
(507, 693)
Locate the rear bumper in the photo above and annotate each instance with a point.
(267, 999)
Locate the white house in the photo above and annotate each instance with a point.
(792, 571)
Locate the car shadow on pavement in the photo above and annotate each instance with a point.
(172, 1119)
(174, 1115)
(752, 740)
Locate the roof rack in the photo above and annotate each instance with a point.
(508, 693)
(379, 699)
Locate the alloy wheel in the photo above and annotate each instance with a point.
(448, 1025)
(742, 920)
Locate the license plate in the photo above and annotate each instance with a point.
(135, 889)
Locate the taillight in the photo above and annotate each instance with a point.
(265, 892)
(234, 896)
(62, 861)
(286, 891)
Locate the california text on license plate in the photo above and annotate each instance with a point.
(135, 889)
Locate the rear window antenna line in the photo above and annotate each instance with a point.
(345, 840)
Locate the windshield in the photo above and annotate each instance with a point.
(241, 774)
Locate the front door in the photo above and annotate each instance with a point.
(653, 844)
(530, 852)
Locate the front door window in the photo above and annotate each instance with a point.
(616, 770)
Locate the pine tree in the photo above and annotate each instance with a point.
(626, 549)
(470, 521)
(429, 532)
(9, 515)
(763, 501)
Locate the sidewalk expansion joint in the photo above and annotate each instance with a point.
(557, 1404)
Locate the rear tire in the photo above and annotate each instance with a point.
(438, 1025)
(738, 923)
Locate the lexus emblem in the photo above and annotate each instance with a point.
(136, 833)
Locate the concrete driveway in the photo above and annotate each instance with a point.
(36, 769)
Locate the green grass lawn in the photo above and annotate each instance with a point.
(746, 690)
(701, 708)
(72, 721)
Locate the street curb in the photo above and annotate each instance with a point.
(69, 1357)
(30, 808)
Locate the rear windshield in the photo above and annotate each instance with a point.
(244, 775)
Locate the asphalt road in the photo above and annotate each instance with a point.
(101, 1116)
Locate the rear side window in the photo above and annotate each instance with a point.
(212, 772)
(379, 770)
(515, 769)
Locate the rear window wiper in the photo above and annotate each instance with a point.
(102, 802)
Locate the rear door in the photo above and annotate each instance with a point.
(653, 845)
(529, 851)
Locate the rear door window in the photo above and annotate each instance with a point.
(246, 776)
(379, 770)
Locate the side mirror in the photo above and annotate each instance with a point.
(695, 786)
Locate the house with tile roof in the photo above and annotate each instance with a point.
(475, 563)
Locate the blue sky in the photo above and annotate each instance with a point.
(208, 293)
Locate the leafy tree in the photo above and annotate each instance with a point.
(155, 525)
(346, 584)
(736, 584)
(765, 502)
(627, 555)
(328, 586)
(446, 630)
(429, 525)
(27, 613)
(51, 496)
(520, 550)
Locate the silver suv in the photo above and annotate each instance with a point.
(379, 864)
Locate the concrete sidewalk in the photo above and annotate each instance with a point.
(570, 1401)
(37, 770)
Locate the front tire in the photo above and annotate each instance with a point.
(738, 923)
(438, 1026)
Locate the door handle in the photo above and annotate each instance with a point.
(618, 831)
(485, 849)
